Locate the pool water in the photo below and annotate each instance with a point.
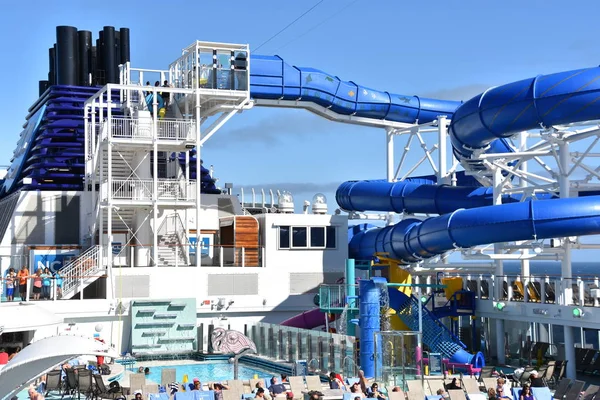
(207, 372)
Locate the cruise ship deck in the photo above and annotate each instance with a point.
(114, 231)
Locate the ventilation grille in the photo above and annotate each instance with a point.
(232, 284)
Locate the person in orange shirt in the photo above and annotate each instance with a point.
(23, 276)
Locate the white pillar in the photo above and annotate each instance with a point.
(155, 224)
(442, 150)
(499, 274)
(389, 159)
(198, 179)
(389, 154)
(109, 186)
(566, 262)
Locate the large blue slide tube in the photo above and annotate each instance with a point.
(412, 240)
(545, 100)
(370, 322)
(272, 78)
(413, 197)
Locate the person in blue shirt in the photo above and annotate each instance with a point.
(46, 284)
(150, 100)
(59, 283)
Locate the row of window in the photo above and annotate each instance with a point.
(302, 237)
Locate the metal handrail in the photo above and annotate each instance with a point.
(84, 266)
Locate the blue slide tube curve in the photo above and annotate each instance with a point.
(412, 240)
(545, 100)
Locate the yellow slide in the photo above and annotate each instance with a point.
(396, 275)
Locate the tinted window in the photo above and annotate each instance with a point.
(317, 236)
(299, 237)
(284, 237)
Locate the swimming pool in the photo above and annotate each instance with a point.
(211, 371)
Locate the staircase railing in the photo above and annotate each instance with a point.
(87, 265)
(172, 224)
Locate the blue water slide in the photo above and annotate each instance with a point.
(412, 240)
(482, 123)
(435, 334)
(413, 197)
(272, 78)
(545, 100)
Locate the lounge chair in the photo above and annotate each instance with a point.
(54, 382)
(236, 386)
(490, 383)
(415, 390)
(84, 383)
(71, 384)
(102, 392)
(167, 376)
(562, 389)
(313, 382)
(575, 390)
(136, 382)
(297, 385)
(457, 394)
(591, 392)
(471, 386)
(435, 385)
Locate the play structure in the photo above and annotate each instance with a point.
(496, 199)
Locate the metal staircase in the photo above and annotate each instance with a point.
(172, 242)
(170, 251)
(83, 271)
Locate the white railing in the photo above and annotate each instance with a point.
(143, 189)
(167, 129)
(87, 265)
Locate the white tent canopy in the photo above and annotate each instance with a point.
(44, 355)
(18, 317)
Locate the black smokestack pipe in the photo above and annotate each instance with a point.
(100, 60)
(93, 65)
(124, 44)
(118, 46)
(43, 87)
(66, 55)
(110, 60)
(85, 57)
(52, 65)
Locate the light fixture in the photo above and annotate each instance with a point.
(423, 299)
(577, 312)
(499, 306)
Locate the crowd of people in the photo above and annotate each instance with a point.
(41, 283)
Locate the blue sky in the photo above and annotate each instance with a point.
(447, 49)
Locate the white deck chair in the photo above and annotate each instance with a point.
(313, 382)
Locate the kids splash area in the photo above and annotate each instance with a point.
(400, 334)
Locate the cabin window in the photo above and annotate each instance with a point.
(284, 237)
(301, 237)
(317, 236)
